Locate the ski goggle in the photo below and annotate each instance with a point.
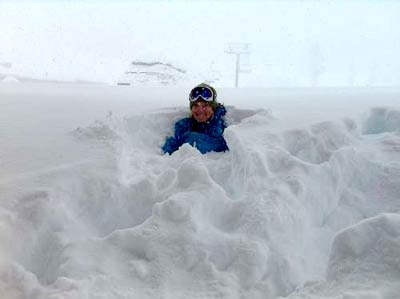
(201, 93)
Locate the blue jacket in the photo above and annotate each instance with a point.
(206, 137)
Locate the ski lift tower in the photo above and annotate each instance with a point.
(239, 49)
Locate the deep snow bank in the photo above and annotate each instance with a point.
(286, 206)
(364, 262)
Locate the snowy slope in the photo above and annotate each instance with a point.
(305, 204)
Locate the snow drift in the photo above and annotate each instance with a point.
(307, 211)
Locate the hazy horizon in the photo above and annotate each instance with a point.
(293, 43)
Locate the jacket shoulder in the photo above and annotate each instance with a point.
(183, 123)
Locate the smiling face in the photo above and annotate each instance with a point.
(202, 111)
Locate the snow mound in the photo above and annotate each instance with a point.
(364, 262)
(382, 120)
(367, 248)
(316, 144)
(278, 211)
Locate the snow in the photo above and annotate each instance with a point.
(9, 79)
(304, 205)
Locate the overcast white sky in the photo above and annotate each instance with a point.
(293, 43)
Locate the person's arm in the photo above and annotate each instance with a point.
(181, 133)
(217, 128)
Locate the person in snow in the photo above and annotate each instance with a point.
(204, 129)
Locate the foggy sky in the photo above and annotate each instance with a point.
(293, 43)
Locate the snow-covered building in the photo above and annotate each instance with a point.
(153, 73)
(4, 69)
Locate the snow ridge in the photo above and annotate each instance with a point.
(304, 213)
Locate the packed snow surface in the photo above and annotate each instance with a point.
(304, 205)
